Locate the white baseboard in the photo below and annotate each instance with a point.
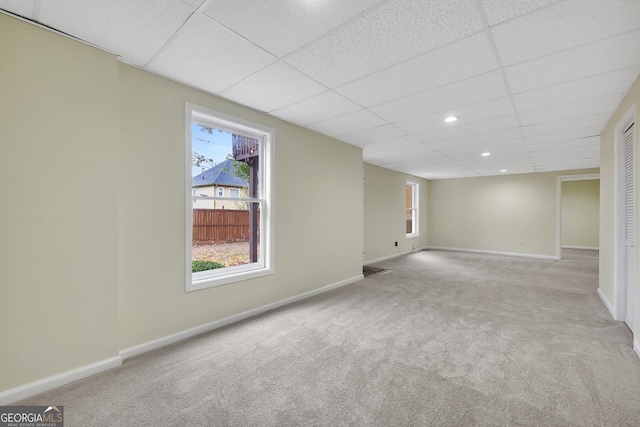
(480, 251)
(606, 302)
(45, 384)
(27, 390)
(636, 347)
(373, 261)
(179, 336)
(580, 247)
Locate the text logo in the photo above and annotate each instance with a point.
(31, 416)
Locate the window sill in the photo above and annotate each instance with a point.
(226, 279)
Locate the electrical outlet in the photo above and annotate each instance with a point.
(396, 244)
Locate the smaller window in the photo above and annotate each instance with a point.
(220, 192)
(233, 192)
(412, 209)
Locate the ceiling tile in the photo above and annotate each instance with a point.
(135, 30)
(319, 108)
(543, 165)
(275, 86)
(433, 159)
(498, 11)
(588, 60)
(399, 143)
(495, 147)
(411, 157)
(22, 8)
(474, 159)
(188, 59)
(596, 120)
(511, 164)
(372, 135)
(510, 171)
(470, 130)
(352, 122)
(582, 132)
(394, 32)
(472, 113)
(395, 67)
(573, 153)
(444, 99)
(457, 61)
(503, 136)
(442, 163)
(591, 144)
(563, 25)
(553, 163)
(281, 27)
(419, 168)
(577, 90)
(575, 109)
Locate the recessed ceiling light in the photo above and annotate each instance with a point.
(485, 154)
(503, 170)
(451, 119)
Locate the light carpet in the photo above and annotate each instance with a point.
(443, 339)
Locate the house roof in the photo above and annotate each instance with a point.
(220, 174)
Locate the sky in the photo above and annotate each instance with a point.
(216, 146)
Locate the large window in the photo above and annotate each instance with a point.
(228, 238)
(412, 209)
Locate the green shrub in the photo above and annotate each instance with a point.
(204, 265)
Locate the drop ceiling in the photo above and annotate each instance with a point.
(533, 82)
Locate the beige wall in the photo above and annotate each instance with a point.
(384, 213)
(59, 214)
(607, 231)
(495, 213)
(89, 265)
(581, 213)
(308, 228)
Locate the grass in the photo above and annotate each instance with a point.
(204, 265)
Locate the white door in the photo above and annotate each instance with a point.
(630, 241)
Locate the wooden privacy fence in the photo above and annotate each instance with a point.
(220, 226)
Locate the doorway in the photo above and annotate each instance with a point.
(578, 214)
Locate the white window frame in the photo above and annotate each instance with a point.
(237, 192)
(220, 191)
(264, 266)
(415, 210)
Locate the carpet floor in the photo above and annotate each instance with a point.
(442, 339)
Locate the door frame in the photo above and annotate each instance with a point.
(560, 180)
(619, 215)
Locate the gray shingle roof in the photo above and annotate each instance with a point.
(220, 174)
